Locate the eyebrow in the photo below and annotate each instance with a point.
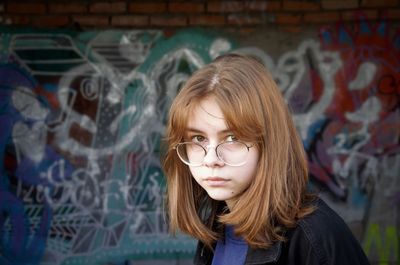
(194, 130)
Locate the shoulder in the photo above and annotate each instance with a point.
(326, 237)
(323, 222)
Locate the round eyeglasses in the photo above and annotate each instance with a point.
(232, 153)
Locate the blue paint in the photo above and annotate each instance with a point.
(313, 130)
(6, 123)
(17, 247)
(326, 37)
(12, 75)
(29, 172)
(344, 37)
(365, 28)
(396, 41)
(358, 198)
(14, 243)
(381, 30)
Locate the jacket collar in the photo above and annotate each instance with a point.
(262, 256)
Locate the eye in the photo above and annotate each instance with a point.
(198, 139)
(231, 138)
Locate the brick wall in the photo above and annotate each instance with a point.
(178, 13)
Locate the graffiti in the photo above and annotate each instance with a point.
(82, 119)
(389, 88)
(358, 110)
(344, 94)
(386, 243)
(71, 130)
(21, 245)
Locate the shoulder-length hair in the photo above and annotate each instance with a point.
(255, 111)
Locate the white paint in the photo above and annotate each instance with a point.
(365, 75)
(26, 102)
(367, 113)
(218, 47)
(30, 141)
(328, 64)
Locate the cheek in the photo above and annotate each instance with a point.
(196, 172)
(247, 174)
(250, 168)
(252, 162)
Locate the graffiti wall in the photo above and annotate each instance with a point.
(82, 115)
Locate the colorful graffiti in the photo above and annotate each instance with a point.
(386, 243)
(82, 116)
(80, 143)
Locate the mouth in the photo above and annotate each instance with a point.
(216, 181)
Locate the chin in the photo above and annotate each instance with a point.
(219, 196)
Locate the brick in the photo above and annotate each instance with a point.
(322, 17)
(8, 21)
(91, 20)
(339, 4)
(392, 14)
(147, 8)
(262, 6)
(379, 3)
(243, 31)
(287, 18)
(225, 6)
(234, 19)
(367, 14)
(119, 7)
(207, 20)
(291, 29)
(168, 21)
(68, 8)
(300, 6)
(17, 20)
(186, 7)
(131, 20)
(26, 8)
(50, 21)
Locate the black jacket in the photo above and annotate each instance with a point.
(320, 238)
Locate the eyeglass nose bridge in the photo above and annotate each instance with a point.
(215, 148)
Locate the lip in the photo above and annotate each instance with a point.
(216, 181)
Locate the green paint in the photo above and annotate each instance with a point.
(387, 247)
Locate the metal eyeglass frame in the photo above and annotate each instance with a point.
(215, 147)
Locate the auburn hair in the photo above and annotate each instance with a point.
(255, 111)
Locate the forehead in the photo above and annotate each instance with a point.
(207, 116)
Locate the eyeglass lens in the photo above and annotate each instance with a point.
(232, 153)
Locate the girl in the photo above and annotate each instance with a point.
(237, 174)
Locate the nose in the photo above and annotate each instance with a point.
(211, 159)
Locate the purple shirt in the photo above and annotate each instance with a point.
(231, 252)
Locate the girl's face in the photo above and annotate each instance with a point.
(222, 182)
